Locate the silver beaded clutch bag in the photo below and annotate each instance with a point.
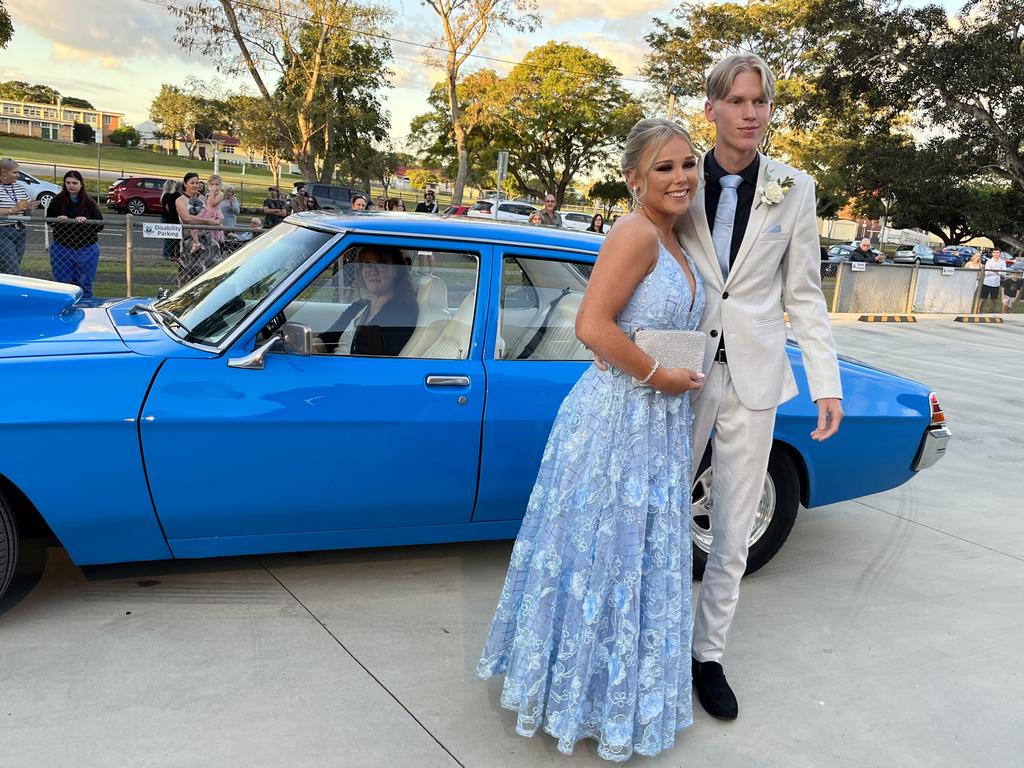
(673, 349)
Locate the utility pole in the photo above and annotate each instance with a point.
(673, 91)
(99, 143)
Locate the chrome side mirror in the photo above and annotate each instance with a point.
(296, 338)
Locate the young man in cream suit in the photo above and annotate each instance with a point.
(752, 232)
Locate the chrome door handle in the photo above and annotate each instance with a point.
(447, 381)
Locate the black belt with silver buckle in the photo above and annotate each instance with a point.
(720, 356)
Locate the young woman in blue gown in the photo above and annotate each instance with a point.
(593, 627)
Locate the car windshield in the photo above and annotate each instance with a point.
(220, 299)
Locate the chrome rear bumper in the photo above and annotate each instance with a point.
(933, 447)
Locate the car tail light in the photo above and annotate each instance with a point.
(938, 415)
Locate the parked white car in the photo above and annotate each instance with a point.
(508, 210)
(40, 190)
(573, 220)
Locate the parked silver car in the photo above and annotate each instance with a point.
(40, 190)
(914, 254)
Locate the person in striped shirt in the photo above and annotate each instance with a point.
(14, 200)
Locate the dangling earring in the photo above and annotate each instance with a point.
(637, 203)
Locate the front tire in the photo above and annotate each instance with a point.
(45, 198)
(136, 206)
(776, 513)
(8, 544)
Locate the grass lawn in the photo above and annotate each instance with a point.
(143, 162)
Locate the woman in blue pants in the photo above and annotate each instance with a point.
(75, 252)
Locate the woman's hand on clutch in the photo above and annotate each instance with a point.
(676, 381)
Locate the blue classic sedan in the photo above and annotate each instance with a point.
(277, 403)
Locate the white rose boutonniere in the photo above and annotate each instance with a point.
(774, 190)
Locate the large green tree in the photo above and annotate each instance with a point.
(464, 25)
(42, 94)
(959, 74)
(257, 126)
(176, 113)
(300, 44)
(929, 187)
(563, 111)
(6, 27)
(355, 121)
(433, 136)
(609, 192)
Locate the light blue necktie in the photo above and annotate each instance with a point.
(725, 216)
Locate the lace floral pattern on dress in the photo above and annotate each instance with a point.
(593, 627)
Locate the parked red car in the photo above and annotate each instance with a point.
(136, 195)
(456, 210)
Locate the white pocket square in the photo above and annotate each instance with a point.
(774, 229)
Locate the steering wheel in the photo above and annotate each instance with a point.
(272, 327)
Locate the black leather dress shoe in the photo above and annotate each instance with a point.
(713, 690)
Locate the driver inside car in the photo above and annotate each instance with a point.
(381, 324)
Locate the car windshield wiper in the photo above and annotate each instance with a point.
(166, 315)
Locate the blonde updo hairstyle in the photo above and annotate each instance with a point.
(643, 143)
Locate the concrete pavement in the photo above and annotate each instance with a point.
(885, 633)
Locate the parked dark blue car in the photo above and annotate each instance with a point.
(232, 417)
(954, 255)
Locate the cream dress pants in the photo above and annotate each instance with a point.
(741, 443)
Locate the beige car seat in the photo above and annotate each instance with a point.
(559, 341)
(453, 342)
(431, 316)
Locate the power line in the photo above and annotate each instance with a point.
(400, 41)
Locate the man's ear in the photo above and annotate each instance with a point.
(709, 111)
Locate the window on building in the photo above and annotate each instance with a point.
(10, 109)
(50, 113)
(50, 132)
(90, 118)
(32, 112)
(106, 120)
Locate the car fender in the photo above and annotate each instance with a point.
(884, 418)
(74, 435)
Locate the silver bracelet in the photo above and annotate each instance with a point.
(650, 374)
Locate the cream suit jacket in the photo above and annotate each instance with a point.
(778, 264)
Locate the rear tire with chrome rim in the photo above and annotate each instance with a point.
(136, 206)
(776, 512)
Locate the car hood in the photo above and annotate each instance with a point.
(40, 318)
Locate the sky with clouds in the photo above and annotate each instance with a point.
(116, 53)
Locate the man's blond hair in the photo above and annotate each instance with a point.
(721, 76)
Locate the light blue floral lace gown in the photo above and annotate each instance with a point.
(594, 623)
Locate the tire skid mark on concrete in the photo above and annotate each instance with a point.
(879, 571)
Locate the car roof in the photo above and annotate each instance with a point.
(400, 224)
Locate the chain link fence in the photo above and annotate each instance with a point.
(116, 256)
(126, 256)
(899, 289)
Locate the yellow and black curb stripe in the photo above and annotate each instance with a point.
(887, 319)
(977, 319)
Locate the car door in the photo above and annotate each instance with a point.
(333, 441)
(532, 363)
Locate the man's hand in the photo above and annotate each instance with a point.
(830, 413)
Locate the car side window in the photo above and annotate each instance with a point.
(381, 301)
(539, 302)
